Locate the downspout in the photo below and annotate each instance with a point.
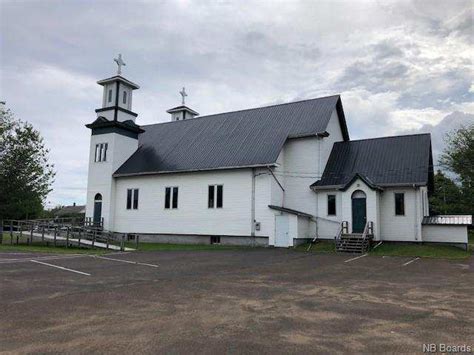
(416, 212)
(252, 208)
(317, 194)
(317, 213)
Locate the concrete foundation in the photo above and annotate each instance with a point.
(201, 239)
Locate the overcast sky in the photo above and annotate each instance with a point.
(400, 67)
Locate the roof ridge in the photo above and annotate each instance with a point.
(387, 137)
(247, 109)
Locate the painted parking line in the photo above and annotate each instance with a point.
(60, 267)
(123, 261)
(357, 257)
(409, 262)
(51, 257)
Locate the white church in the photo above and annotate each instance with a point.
(278, 175)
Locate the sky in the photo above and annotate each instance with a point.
(400, 67)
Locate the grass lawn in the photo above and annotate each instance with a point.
(323, 246)
(471, 240)
(425, 250)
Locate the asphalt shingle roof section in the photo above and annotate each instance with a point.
(244, 138)
(387, 161)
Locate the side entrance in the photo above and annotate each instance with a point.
(282, 231)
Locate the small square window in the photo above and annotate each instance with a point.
(215, 239)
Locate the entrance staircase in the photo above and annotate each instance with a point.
(346, 242)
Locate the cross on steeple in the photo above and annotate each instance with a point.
(120, 63)
(183, 95)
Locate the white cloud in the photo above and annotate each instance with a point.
(399, 65)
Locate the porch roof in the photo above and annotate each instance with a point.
(291, 211)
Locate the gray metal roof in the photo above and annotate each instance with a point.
(291, 211)
(246, 138)
(387, 161)
(70, 210)
(464, 220)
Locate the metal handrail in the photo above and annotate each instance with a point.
(369, 225)
(342, 227)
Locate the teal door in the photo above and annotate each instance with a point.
(359, 215)
(97, 209)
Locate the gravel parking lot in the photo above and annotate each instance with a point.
(242, 301)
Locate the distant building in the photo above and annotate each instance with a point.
(71, 211)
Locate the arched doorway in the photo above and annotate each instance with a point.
(97, 209)
(359, 211)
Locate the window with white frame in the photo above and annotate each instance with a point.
(100, 152)
(171, 197)
(216, 196)
(109, 99)
(124, 99)
(132, 199)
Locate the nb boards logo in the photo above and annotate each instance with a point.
(447, 348)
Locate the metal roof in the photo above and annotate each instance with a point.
(69, 210)
(387, 161)
(291, 211)
(118, 78)
(465, 220)
(246, 138)
(182, 108)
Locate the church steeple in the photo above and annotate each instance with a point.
(117, 96)
(182, 112)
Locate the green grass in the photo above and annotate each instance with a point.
(421, 250)
(471, 239)
(169, 247)
(323, 246)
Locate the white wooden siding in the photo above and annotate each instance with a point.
(444, 234)
(302, 162)
(192, 215)
(100, 173)
(401, 228)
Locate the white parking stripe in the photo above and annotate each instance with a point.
(409, 262)
(123, 261)
(358, 257)
(52, 257)
(60, 267)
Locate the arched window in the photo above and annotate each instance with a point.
(98, 197)
(358, 194)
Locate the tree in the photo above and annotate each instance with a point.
(25, 174)
(458, 157)
(446, 197)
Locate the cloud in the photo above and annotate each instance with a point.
(399, 65)
(439, 130)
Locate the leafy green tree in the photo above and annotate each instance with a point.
(446, 197)
(25, 173)
(458, 157)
